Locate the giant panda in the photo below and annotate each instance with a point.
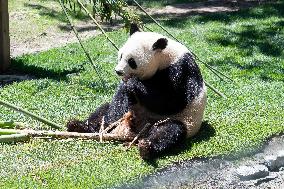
(161, 83)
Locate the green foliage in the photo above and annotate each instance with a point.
(244, 45)
(106, 10)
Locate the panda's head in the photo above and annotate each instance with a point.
(146, 52)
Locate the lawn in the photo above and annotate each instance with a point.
(246, 45)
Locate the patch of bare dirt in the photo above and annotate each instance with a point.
(210, 6)
(51, 38)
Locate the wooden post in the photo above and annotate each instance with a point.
(4, 36)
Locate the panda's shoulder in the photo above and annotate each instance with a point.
(185, 62)
(184, 58)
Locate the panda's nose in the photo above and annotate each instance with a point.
(119, 73)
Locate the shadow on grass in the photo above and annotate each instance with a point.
(205, 133)
(234, 12)
(79, 29)
(83, 28)
(20, 67)
(253, 36)
(268, 10)
(160, 2)
(265, 70)
(80, 15)
(54, 14)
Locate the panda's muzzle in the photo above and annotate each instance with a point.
(122, 75)
(119, 73)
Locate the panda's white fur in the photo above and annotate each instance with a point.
(139, 47)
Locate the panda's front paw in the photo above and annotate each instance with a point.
(145, 149)
(76, 126)
(131, 83)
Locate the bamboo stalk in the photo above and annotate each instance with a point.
(111, 126)
(14, 138)
(11, 124)
(215, 71)
(8, 132)
(32, 115)
(137, 136)
(215, 90)
(102, 128)
(65, 135)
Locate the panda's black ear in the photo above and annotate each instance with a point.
(133, 28)
(160, 44)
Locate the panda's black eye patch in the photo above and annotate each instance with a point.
(132, 63)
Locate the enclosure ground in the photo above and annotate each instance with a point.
(60, 84)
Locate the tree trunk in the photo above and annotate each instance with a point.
(4, 36)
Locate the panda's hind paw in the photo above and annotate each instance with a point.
(145, 149)
(162, 139)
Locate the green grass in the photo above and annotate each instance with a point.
(247, 45)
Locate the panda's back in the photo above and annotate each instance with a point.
(193, 113)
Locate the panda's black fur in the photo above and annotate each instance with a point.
(171, 89)
(168, 92)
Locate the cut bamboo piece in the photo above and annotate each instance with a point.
(11, 125)
(66, 135)
(11, 138)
